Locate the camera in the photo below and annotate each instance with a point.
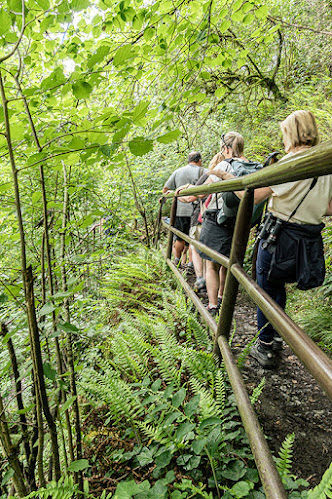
(266, 227)
(274, 232)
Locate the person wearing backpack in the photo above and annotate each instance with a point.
(189, 173)
(217, 228)
(290, 242)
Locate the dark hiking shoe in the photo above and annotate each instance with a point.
(200, 285)
(176, 262)
(213, 310)
(190, 268)
(219, 301)
(277, 346)
(263, 353)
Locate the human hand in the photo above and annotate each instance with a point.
(181, 188)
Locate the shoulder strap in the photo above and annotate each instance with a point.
(312, 185)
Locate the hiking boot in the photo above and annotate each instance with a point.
(200, 285)
(263, 353)
(190, 268)
(213, 311)
(219, 301)
(176, 262)
(277, 346)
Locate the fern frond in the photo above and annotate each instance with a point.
(207, 404)
(199, 332)
(154, 433)
(201, 365)
(324, 488)
(257, 391)
(284, 461)
(220, 390)
(245, 352)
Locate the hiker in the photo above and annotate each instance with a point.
(216, 235)
(189, 173)
(200, 207)
(290, 247)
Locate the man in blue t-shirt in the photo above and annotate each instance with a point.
(188, 174)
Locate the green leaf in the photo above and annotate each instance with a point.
(140, 146)
(234, 471)
(126, 490)
(49, 372)
(169, 137)
(36, 196)
(163, 459)
(77, 5)
(183, 429)
(248, 19)
(212, 421)
(145, 457)
(44, 4)
(5, 22)
(241, 489)
(67, 404)
(156, 385)
(7, 476)
(220, 92)
(140, 110)
(192, 406)
(5, 187)
(81, 89)
(262, 12)
(122, 54)
(178, 397)
(81, 464)
(98, 56)
(46, 309)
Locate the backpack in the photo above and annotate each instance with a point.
(231, 202)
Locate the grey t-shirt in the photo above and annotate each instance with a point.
(185, 175)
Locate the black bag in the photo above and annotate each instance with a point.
(299, 256)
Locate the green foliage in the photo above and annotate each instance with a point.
(324, 489)
(285, 456)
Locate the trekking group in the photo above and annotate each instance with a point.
(290, 247)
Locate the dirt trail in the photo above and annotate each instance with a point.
(291, 401)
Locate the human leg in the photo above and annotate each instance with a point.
(212, 282)
(277, 291)
(268, 341)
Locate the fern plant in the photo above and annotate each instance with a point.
(284, 461)
(324, 489)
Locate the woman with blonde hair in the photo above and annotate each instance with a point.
(291, 247)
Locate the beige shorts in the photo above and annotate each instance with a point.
(195, 232)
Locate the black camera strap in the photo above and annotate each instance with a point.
(312, 185)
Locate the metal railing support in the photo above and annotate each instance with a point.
(238, 250)
(171, 223)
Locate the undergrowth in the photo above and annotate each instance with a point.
(160, 411)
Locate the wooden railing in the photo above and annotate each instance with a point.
(314, 162)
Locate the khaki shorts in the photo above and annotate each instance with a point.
(195, 231)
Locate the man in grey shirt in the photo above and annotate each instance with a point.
(188, 174)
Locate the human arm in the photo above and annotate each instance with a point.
(329, 209)
(260, 194)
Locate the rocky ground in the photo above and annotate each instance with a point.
(291, 402)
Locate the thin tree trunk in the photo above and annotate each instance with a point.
(49, 264)
(70, 354)
(29, 294)
(10, 453)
